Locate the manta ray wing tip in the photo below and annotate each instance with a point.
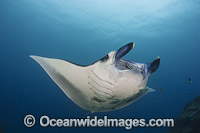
(33, 56)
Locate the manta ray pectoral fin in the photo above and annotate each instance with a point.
(143, 92)
(140, 94)
(71, 78)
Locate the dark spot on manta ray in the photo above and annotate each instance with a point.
(130, 99)
(115, 102)
(97, 99)
(113, 108)
(142, 72)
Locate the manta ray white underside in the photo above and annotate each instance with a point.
(102, 86)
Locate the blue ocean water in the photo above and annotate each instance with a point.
(83, 32)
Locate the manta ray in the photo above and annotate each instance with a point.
(108, 84)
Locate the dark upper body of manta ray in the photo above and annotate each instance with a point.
(108, 84)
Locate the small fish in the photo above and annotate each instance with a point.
(190, 80)
(160, 89)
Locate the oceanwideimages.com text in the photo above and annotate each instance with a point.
(128, 123)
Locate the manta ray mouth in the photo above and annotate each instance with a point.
(123, 64)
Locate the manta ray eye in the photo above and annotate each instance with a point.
(128, 65)
(105, 58)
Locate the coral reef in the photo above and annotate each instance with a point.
(189, 120)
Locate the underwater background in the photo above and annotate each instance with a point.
(83, 32)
